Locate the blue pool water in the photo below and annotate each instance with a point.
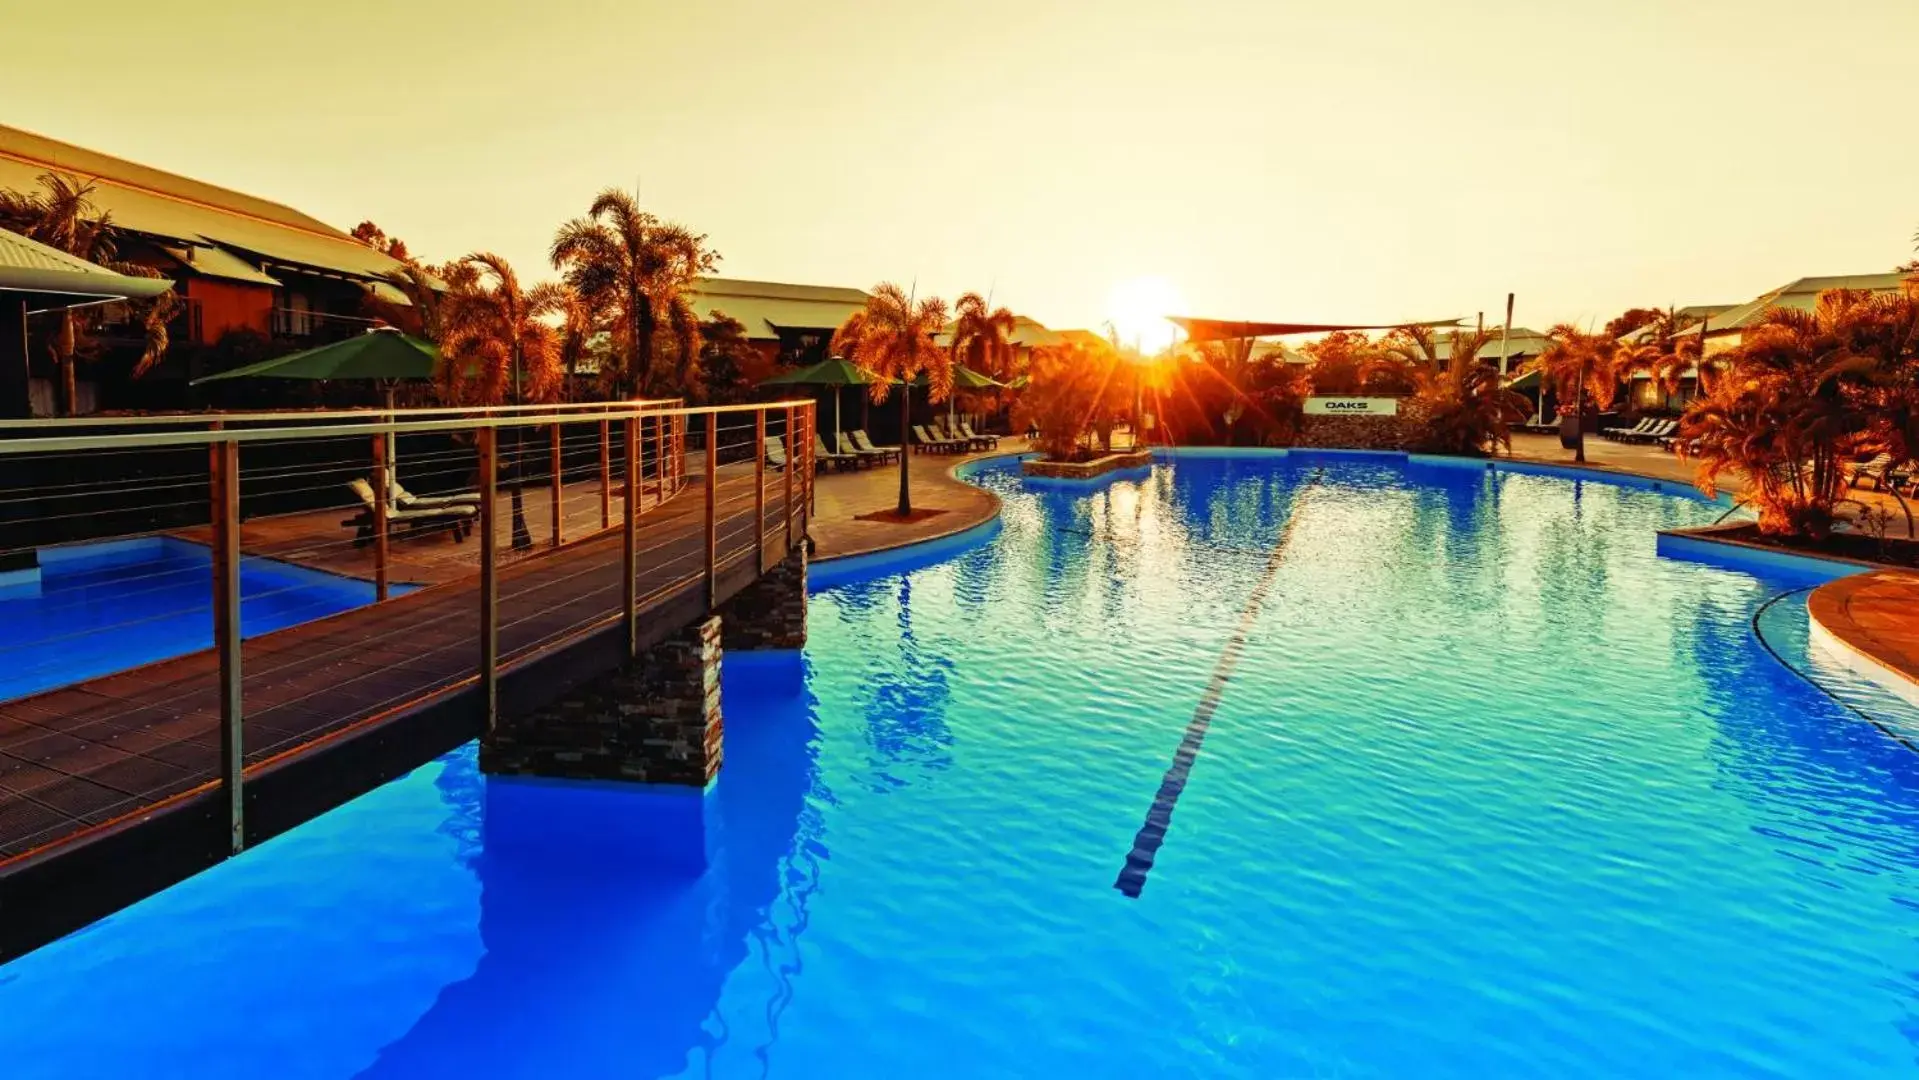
(1487, 787)
(109, 606)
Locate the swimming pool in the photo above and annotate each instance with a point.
(1486, 787)
(109, 606)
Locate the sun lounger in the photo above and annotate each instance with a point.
(932, 443)
(776, 453)
(984, 442)
(865, 446)
(849, 448)
(1874, 470)
(406, 500)
(1657, 431)
(458, 518)
(1626, 432)
(838, 461)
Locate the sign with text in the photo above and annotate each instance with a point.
(1352, 406)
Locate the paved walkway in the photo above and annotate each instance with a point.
(840, 498)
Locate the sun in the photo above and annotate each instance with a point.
(1137, 308)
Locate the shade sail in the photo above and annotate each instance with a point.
(1234, 329)
(377, 354)
(833, 372)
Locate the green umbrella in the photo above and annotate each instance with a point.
(382, 353)
(964, 378)
(836, 373)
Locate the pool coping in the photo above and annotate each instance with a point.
(1887, 658)
(961, 524)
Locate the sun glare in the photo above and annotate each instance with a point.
(1137, 308)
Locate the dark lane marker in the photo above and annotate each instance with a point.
(1139, 861)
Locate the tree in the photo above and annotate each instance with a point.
(61, 215)
(498, 343)
(1805, 391)
(1664, 352)
(1581, 366)
(624, 260)
(982, 336)
(725, 358)
(1070, 386)
(1465, 408)
(366, 232)
(1631, 319)
(892, 337)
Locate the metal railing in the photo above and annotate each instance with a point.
(299, 627)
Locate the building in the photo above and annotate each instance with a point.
(239, 262)
(36, 279)
(786, 324)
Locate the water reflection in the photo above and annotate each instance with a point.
(615, 968)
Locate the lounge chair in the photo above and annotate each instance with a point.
(1622, 433)
(865, 446)
(776, 453)
(1874, 470)
(1659, 430)
(932, 443)
(838, 461)
(966, 442)
(406, 500)
(458, 518)
(864, 459)
(988, 441)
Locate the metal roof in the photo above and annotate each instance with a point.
(1802, 294)
(213, 262)
(53, 279)
(162, 204)
(766, 307)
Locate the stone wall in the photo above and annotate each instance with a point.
(1398, 432)
(655, 720)
(1085, 470)
(771, 612)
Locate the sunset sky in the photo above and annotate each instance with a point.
(1362, 160)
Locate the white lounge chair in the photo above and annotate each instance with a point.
(457, 518)
(865, 446)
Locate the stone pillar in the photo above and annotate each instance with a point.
(618, 771)
(771, 612)
(653, 720)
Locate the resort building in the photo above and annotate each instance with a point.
(240, 263)
(787, 324)
(1725, 327)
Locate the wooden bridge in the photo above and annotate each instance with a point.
(649, 516)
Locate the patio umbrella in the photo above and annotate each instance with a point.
(382, 354)
(964, 378)
(836, 372)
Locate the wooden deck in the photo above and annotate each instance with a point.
(86, 757)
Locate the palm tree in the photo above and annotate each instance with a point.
(982, 336)
(1663, 351)
(624, 260)
(61, 215)
(1466, 407)
(1579, 363)
(498, 344)
(1803, 392)
(892, 337)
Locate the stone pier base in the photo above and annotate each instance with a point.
(623, 766)
(653, 720)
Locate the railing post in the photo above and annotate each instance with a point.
(606, 475)
(224, 462)
(759, 489)
(659, 460)
(382, 491)
(559, 486)
(806, 477)
(786, 505)
(712, 510)
(630, 586)
(489, 440)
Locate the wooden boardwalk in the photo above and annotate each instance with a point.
(95, 755)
